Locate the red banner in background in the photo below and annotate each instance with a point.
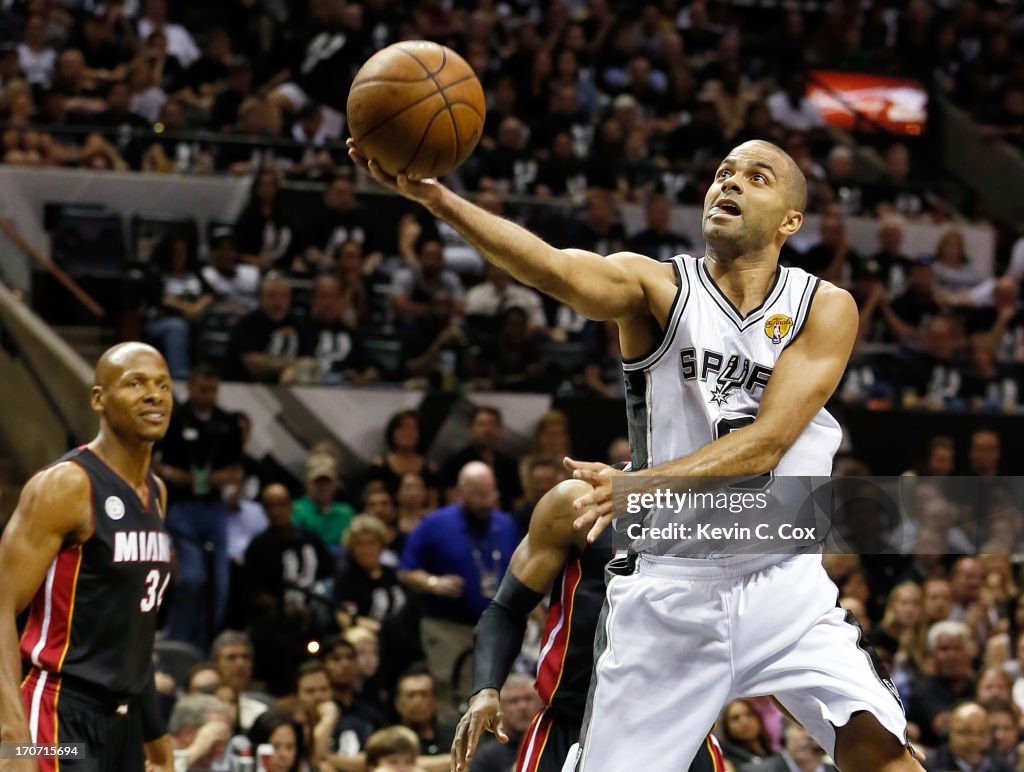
(898, 105)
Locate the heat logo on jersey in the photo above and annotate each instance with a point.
(777, 327)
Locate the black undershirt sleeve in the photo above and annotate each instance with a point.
(500, 632)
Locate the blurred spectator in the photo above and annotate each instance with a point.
(984, 453)
(456, 557)
(282, 566)
(895, 192)
(339, 218)
(368, 592)
(264, 229)
(519, 704)
(500, 291)
(236, 287)
(833, 256)
(969, 741)
(598, 231)
(416, 702)
(318, 511)
(742, 734)
(793, 108)
(267, 342)
(848, 192)
(658, 240)
(280, 730)
(993, 684)
(333, 731)
(799, 751)
(228, 102)
(427, 296)
(183, 299)
(901, 632)
(199, 725)
(1003, 719)
(355, 286)
(618, 451)
(905, 314)
(889, 264)
(232, 653)
(179, 42)
(393, 749)
(950, 646)
(337, 349)
(339, 658)
(321, 69)
(1001, 328)
(203, 679)
(403, 456)
(953, 271)
(36, 58)
(602, 375)
(485, 436)
(508, 168)
(542, 475)
(245, 519)
(412, 505)
(935, 374)
(200, 457)
(510, 361)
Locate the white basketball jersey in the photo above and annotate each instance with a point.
(709, 373)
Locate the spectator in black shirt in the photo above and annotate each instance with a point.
(206, 77)
(848, 193)
(658, 240)
(511, 361)
(282, 564)
(935, 373)
(894, 192)
(341, 218)
(832, 257)
(903, 316)
(263, 232)
(598, 232)
(562, 173)
(338, 350)
(333, 731)
(509, 167)
(935, 695)
(105, 57)
(485, 435)
(416, 703)
(267, 343)
(339, 658)
(198, 457)
(239, 88)
(970, 738)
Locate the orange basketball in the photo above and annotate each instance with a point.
(416, 108)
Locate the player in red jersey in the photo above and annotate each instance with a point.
(87, 548)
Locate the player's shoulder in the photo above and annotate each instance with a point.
(552, 517)
(832, 299)
(60, 493)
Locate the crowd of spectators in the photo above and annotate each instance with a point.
(325, 627)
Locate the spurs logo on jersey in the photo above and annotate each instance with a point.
(708, 375)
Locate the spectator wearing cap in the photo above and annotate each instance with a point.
(318, 510)
(236, 285)
(456, 557)
(269, 342)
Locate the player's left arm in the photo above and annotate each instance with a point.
(803, 379)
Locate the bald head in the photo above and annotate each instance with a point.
(793, 179)
(117, 359)
(478, 489)
(969, 735)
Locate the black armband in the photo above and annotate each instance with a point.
(500, 631)
(148, 704)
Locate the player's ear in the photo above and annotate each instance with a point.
(792, 222)
(96, 398)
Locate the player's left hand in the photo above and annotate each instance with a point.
(484, 714)
(594, 510)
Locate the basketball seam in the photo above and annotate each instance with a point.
(409, 106)
(423, 138)
(367, 81)
(447, 104)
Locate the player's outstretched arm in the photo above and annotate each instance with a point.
(599, 288)
(802, 381)
(54, 508)
(535, 564)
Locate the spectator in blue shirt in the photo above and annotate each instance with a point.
(456, 558)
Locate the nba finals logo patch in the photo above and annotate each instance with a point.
(114, 508)
(777, 327)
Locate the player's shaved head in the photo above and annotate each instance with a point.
(788, 171)
(117, 359)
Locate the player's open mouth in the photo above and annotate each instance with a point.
(726, 208)
(153, 416)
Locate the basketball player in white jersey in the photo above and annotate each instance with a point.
(683, 635)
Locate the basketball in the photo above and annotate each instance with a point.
(416, 108)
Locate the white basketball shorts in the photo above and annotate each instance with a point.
(682, 637)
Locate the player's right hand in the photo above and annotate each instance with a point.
(484, 714)
(426, 191)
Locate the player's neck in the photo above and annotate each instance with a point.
(130, 460)
(745, 279)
